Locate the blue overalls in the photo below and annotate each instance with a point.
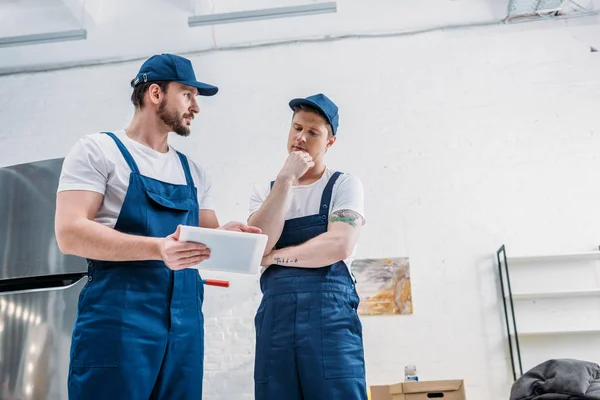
(139, 332)
(308, 334)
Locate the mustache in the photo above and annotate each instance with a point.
(190, 116)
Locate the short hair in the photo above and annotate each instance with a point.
(315, 110)
(137, 97)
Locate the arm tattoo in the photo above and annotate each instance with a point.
(283, 261)
(348, 216)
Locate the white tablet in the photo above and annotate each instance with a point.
(230, 251)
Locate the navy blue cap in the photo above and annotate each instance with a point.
(172, 68)
(323, 104)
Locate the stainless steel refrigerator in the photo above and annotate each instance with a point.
(39, 286)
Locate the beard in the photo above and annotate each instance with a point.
(175, 122)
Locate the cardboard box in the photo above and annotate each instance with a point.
(445, 390)
(381, 392)
(385, 392)
(397, 391)
(426, 390)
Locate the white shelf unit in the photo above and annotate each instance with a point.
(555, 295)
(559, 332)
(590, 255)
(509, 298)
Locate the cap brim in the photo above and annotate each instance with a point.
(204, 89)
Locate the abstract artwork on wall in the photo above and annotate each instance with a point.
(383, 285)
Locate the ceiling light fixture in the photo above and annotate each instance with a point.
(40, 38)
(266, 13)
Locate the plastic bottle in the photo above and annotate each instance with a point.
(410, 373)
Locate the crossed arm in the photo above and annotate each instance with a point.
(330, 247)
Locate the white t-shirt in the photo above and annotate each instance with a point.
(347, 194)
(96, 164)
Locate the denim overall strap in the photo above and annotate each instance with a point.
(186, 169)
(327, 194)
(126, 154)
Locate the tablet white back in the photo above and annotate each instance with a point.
(230, 251)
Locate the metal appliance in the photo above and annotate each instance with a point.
(39, 286)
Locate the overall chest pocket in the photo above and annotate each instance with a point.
(164, 213)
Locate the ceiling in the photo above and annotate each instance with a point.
(125, 29)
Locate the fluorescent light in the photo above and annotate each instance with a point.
(38, 38)
(266, 13)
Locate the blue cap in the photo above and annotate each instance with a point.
(172, 68)
(323, 104)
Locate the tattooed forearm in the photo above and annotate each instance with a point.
(350, 217)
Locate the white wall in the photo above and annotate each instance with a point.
(464, 141)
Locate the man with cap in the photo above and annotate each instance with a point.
(308, 334)
(122, 196)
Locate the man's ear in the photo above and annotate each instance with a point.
(155, 94)
(331, 141)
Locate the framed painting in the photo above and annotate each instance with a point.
(383, 285)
